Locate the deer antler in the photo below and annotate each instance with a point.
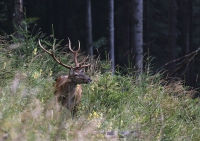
(53, 55)
(77, 65)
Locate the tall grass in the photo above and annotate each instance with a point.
(113, 107)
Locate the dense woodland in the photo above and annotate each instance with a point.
(131, 31)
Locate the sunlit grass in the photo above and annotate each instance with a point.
(113, 107)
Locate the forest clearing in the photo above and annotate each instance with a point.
(99, 70)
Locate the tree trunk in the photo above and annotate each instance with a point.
(111, 34)
(172, 35)
(188, 48)
(190, 77)
(65, 18)
(125, 49)
(89, 28)
(57, 20)
(10, 11)
(146, 25)
(137, 33)
(18, 16)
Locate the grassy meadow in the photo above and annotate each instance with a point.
(113, 107)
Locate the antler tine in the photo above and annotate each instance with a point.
(70, 45)
(75, 53)
(84, 60)
(54, 57)
(79, 44)
(78, 65)
(83, 66)
(44, 48)
(70, 48)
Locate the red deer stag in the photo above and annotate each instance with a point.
(67, 89)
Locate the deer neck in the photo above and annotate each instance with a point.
(72, 87)
(71, 93)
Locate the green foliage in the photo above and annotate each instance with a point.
(113, 105)
(109, 90)
(26, 46)
(100, 42)
(24, 51)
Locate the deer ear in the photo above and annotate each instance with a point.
(71, 72)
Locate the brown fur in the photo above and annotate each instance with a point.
(69, 91)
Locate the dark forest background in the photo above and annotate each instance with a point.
(170, 29)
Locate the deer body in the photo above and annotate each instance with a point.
(68, 90)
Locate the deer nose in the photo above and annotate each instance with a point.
(89, 80)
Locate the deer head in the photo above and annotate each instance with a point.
(67, 90)
(77, 76)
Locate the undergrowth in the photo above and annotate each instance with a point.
(113, 107)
